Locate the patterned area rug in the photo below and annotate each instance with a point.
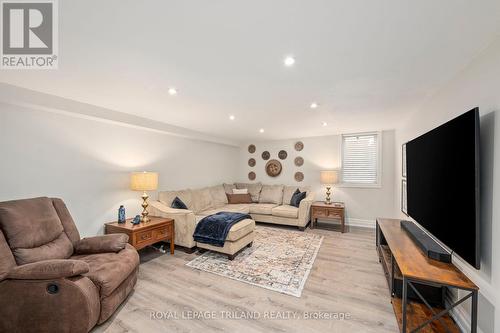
(279, 260)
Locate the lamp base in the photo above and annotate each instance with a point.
(145, 213)
(328, 201)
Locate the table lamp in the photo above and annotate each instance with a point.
(144, 181)
(329, 178)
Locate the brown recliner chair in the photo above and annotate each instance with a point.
(50, 279)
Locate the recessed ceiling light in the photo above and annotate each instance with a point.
(172, 91)
(324, 124)
(314, 105)
(289, 61)
(261, 130)
(231, 117)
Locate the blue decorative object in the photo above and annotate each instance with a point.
(177, 203)
(297, 197)
(136, 220)
(121, 214)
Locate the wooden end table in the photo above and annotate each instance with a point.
(141, 235)
(334, 211)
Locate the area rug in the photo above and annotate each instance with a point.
(279, 260)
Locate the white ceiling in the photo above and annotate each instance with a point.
(368, 63)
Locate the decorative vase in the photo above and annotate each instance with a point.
(121, 214)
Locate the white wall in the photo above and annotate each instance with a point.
(87, 162)
(477, 85)
(363, 205)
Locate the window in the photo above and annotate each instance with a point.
(361, 156)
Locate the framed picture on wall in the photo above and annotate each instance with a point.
(404, 201)
(403, 161)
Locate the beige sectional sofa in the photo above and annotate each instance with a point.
(271, 204)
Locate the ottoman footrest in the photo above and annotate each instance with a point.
(232, 247)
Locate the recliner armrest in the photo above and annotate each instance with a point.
(101, 244)
(49, 269)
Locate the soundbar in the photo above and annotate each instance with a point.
(428, 245)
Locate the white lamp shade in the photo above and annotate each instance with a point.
(144, 181)
(329, 177)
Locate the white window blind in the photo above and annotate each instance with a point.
(361, 159)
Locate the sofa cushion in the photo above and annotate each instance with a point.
(202, 199)
(29, 223)
(59, 248)
(228, 188)
(237, 208)
(286, 211)
(288, 191)
(239, 198)
(253, 189)
(271, 194)
(262, 208)
(167, 197)
(218, 194)
(108, 270)
(33, 230)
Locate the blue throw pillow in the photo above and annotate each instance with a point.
(297, 197)
(177, 203)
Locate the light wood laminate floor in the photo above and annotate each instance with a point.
(346, 278)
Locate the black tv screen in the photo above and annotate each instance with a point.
(443, 184)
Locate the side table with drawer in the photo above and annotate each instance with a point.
(333, 211)
(141, 235)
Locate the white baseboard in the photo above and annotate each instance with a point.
(361, 223)
(354, 223)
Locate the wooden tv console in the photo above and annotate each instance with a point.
(405, 264)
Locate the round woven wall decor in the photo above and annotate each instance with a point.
(282, 154)
(299, 176)
(265, 155)
(251, 149)
(299, 146)
(273, 168)
(251, 162)
(251, 175)
(299, 161)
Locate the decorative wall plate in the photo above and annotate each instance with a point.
(299, 146)
(251, 149)
(299, 176)
(251, 162)
(265, 155)
(273, 168)
(299, 161)
(282, 154)
(251, 175)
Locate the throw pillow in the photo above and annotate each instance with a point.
(240, 191)
(178, 204)
(239, 198)
(253, 189)
(297, 197)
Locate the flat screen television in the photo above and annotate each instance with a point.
(443, 184)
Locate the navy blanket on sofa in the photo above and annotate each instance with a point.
(213, 229)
